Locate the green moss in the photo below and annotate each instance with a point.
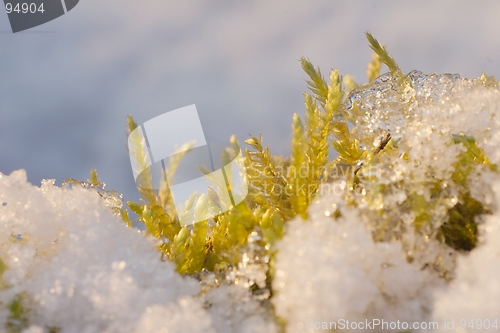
(18, 316)
(460, 231)
(3, 268)
(282, 188)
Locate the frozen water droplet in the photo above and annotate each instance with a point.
(352, 98)
(112, 199)
(415, 75)
(386, 77)
(69, 183)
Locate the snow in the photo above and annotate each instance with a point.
(331, 270)
(81, 269)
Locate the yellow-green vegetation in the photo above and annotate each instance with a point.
(18, 317)
(460, 231)
(3, 267)
(282, 188)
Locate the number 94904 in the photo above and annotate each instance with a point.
(24, 8)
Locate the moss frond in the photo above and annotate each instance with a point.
(94, 178)
(267, 178)
(349, 150)
(373, 70)
(350, 83)
(139, 153)
(188, 250)
(335, 95)
(297, 172)
(383, 55)
(164, 194)
(317, 84)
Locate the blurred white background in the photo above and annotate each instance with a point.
(67, 86)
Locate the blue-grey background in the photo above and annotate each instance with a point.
(67, 86)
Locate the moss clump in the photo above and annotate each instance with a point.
(281, 188)
(18, 316)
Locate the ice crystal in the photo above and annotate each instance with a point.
(112, 198)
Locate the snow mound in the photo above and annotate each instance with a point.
(79, 268)
(331, 270)
(75, 267)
